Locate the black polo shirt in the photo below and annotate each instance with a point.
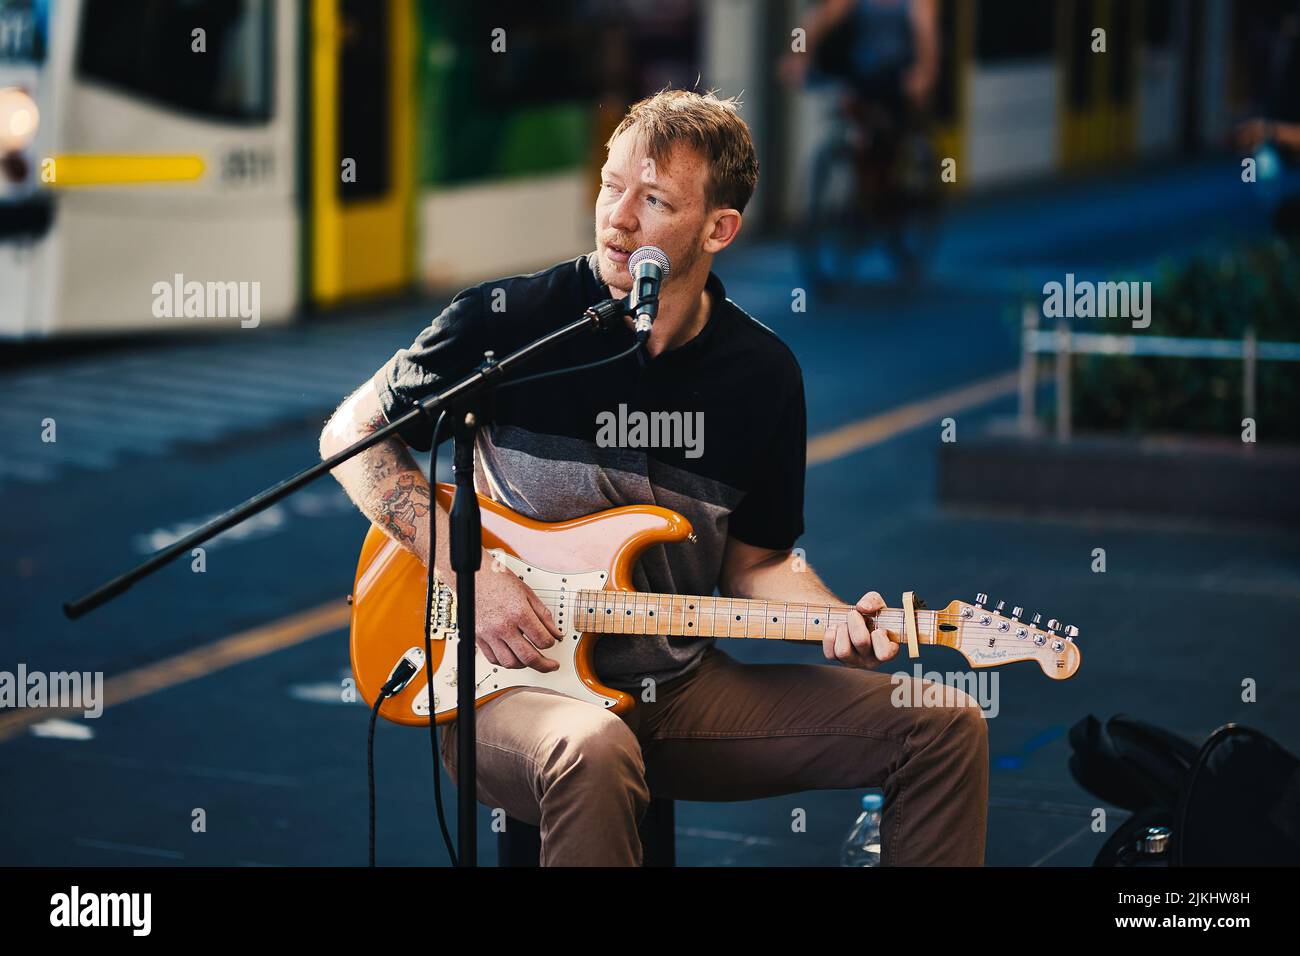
(714, 429)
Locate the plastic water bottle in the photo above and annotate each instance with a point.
(862, 845)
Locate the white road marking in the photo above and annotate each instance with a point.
(59, 729)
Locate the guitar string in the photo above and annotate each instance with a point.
(895, 615)
(833, 609)
(837, 612)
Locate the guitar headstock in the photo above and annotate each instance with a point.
(988, 637)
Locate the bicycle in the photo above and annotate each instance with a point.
(874, 180)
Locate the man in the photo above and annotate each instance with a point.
(680, 170)
(887, 50)
(885, 53)
(1275, 58)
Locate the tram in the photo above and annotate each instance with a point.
(331, 151)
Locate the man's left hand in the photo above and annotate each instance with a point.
(857, 644)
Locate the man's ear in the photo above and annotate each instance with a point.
(726, 226)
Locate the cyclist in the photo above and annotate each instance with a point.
(886, 52)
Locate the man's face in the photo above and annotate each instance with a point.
(644, 203)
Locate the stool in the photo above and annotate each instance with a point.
(521, 843)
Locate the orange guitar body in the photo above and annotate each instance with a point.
(388, 603)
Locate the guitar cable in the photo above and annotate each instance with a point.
(403, 672)
(430, 591)
(572, 368)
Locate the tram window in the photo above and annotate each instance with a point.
(1013, 30)
(944, 106)
(363, 100)
(1079, 90)
(1158, 23)
(1121, 40)
(541, 38)
(149, 53)
(22, 31)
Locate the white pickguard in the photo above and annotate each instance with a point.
(554, 588)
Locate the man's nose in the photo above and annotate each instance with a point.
(621, 217)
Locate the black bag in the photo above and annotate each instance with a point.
(1233, 801)
(1241, 804)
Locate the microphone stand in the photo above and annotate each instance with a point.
(464, 401)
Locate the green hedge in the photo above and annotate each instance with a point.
(1205, 298)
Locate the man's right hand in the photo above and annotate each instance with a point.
(511, 620)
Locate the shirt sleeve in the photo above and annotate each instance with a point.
(444, 352)
(771, 513)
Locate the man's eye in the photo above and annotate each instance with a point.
(654, 199)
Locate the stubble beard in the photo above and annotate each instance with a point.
(678, 271)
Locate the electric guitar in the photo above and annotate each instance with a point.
(582, 570)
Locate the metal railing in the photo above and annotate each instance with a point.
(1064, 343)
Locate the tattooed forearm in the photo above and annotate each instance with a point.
(382, 461)
(384, 481)
(402, 505)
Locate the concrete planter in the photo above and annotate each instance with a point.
(1209, 479)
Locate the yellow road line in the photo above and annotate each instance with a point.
(305, 625)
(878, 428)
(88, 170)
(199, 662)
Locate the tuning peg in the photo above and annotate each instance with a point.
(1071, 632)
(981, 599)
(998, 609)
(1016, 612)
(1053, 624)
(1037, 618)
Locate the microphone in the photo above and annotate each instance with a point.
(648, 266)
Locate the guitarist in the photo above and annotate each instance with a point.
(680, 169)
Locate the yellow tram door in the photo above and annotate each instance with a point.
(1098, 43)
(358, 160)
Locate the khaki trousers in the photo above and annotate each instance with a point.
(733, 731)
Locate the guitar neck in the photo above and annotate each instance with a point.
(684, 615)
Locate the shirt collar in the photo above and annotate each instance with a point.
(597, 291)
